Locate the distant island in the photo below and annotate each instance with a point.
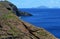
(42, 7)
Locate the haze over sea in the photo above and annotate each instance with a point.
(48, 19)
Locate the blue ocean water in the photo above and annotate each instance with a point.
(48, 19)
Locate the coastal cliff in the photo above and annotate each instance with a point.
(11, 27)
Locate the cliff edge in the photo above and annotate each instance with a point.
(11, 27)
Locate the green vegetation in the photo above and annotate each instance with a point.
(42, 33)
(10, 15)
(14, 31)
(3, 0)
(0, 4)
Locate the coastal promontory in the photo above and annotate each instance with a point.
(11, 27)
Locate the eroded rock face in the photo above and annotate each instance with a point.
(11, 27)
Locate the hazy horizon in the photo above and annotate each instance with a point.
(36, 3)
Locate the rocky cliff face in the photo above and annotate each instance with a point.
(11, 27)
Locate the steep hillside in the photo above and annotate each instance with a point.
(11, 27)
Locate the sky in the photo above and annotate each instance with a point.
(36, 3)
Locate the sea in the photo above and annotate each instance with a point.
(49, 19)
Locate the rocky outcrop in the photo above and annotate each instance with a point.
(25, 14)
(11, 27)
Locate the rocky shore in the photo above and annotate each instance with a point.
(11, 27)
